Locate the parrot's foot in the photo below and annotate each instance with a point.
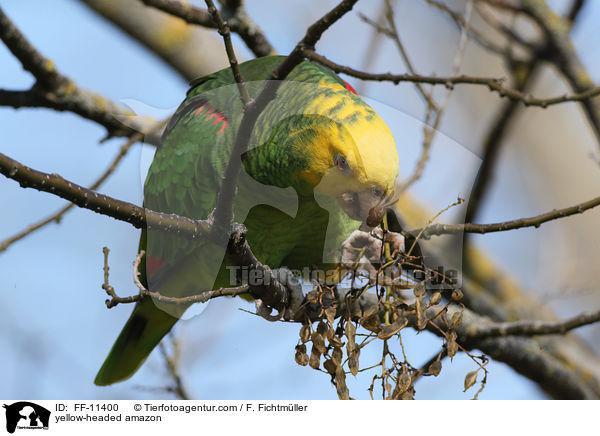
(362, 250)
(296, 296)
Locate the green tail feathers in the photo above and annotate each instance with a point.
(145, 328)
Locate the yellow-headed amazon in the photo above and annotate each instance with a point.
(318, 161)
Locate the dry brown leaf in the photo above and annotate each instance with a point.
(456, 319)
(305, 333)
(336, 342)
(457, 295)
(470, 380)
(330, 313)
(350, 331)
(318, 342)
(435, 299)
(419, 290)
(404, 381)
(330, 366)
(353, 364)
(390, 330)
(435, 368)
(322, 328)
(315, 358)
(452, 346)
(336, 356)
(301, 357)
(421, 314)
(340, 383)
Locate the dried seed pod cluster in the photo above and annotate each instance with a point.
(344, 326)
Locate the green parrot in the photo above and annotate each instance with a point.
(319, 161)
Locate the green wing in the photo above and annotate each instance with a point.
(183, 179)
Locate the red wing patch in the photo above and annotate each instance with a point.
(219, 118)
(153, 264)
(212, 114)
(200, 109)
(350, 88)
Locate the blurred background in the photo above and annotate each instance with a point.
(54, 327)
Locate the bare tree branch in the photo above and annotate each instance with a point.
(239, 22)
(137, 216)
(87, 104)
(56, 91)
(185, 11)
(143, 293)
(479, 37)
(507, 30)
(525, 355)
(493, 84)
(532, 328)
(41, 67)
(557, 49)
(233, 63)
(238, 250)
(535, 221)
(56, 217)
(172, 363)
(165, 35)
(561, 53)
(574, 10)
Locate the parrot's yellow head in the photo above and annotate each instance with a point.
(353, 156)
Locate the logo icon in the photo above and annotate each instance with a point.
(26, 415)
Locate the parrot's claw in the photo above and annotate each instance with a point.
(294, 286)
(363, 249)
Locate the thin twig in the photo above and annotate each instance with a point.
(373, 47)
(172, 363)
(561, 53)
(172, 367)
(429, 131)
(271, 292)
(535, 221)
(137, 216)
(202, 297)
(420, 234)
(239, 22)
(55, 90)
(56, 217)
(431, 105)
(41, 67)
(233, 63)
(481, 38)
(494, 84)
(531, 328)
(507, 31)
(494, 139)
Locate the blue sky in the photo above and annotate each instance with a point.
(55, 329)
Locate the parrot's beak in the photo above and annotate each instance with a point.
(367, 206)
(375, 216)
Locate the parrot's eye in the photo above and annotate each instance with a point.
(341, 163)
